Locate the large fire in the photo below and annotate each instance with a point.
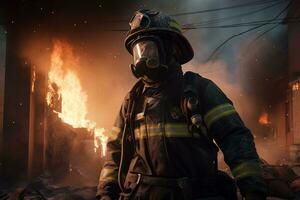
(264, 119)
(64, 85)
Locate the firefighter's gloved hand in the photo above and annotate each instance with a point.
(254, 196)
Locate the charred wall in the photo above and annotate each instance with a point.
(23, 128)
(2, 77)
(16, 107)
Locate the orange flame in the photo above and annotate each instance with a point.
(264, 119)
(296, 86)
(70, 93)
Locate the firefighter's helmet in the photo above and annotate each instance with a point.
(154, 22)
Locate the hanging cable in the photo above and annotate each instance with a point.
(265, 32)
(259, 36)
(246, 31)
(253, 3)
(220, 20)
(251, 23)
(237, 25)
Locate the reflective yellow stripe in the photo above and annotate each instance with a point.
(171, 130)
(247, 169)
(115, 131)
(217, 113)
(174, 24)
(109, 174)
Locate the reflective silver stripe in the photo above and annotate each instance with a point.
(171, 130)
(109, 174)
(139, 116)
(217, 113)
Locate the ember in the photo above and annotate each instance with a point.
(264, 119)
(64, 87)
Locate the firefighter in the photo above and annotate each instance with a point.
(163, 143)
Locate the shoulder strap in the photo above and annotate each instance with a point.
(191, 103)
(194, 88)
(191, 81)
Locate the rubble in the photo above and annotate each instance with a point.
(45, 188)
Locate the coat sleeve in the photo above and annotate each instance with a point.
(234, 139)
(108, 180)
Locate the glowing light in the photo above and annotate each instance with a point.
(33, 79)
(64, 87)
(264, 119)
(295, 86)
(100, 139)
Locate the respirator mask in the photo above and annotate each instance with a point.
(149, 58)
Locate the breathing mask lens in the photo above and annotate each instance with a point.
(146, 53)
(149, 59)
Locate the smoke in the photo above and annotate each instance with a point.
(217, 71)
(249, 105)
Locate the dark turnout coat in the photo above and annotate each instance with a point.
(166, 147)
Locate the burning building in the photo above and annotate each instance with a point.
(45, 112)
(47, 125)
(57, 120)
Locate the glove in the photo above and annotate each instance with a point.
(255, 196)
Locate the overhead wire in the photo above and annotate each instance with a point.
(246, 31)
(237, 25)
(205, 24)
(253, 3)
(263, 33)
(219, 20)
(250, 23)
(256, 24)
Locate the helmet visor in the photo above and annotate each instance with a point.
(146, 51)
